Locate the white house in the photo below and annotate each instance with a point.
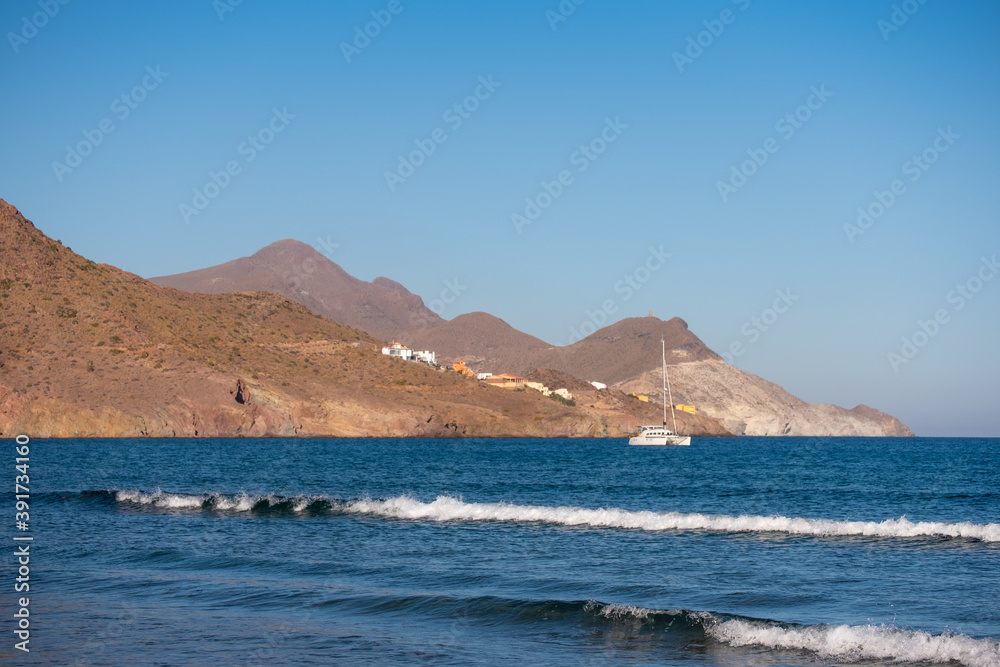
(398, 350)
(599, 385)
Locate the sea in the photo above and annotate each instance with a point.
(733, 551)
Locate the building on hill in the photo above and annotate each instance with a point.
(426, 356)
(506, 381)
(564, 392)
(598, 385)
(538, 386)
(400, 351)
(690, 409)
(483, 376)
(545, 391)
(462, 368)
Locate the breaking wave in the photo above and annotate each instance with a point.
(842, 643)
(446, 508)
(853, 643)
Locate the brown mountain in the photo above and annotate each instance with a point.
(625, 349)
(482, 340)
(89, 350)
(617, 352)
(383, 308)
(624, 354)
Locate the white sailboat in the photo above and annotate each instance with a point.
(661, 435)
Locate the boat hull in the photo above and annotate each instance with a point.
(660, 441)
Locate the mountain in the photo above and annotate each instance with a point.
(383, 308)
(482, 340)
(747, 404)
(89, 350)
(617, 352)
(625, 349)
(624, 355)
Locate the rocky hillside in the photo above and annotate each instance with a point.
(624, 350)
(750, 405)
(88, 350)
(383, 308)
(620, 354)
(485, 342)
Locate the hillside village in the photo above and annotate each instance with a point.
(503, 380)
(88, 350)
(400, 351)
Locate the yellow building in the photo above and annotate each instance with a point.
(686, 408)
(506, 381)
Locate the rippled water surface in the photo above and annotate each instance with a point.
(746, 551)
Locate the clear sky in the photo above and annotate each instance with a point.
(545, 157)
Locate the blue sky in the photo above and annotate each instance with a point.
(641, 108)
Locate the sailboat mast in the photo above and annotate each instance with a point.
(666, 383)
(663, 345)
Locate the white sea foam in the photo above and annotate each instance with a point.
(446, 508)
(847, 643)
(841, 643)
(234, 503)
(618, 611)
(160, 499)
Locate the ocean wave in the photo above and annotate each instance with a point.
(852, 643)
(841, 643)
(447, 508)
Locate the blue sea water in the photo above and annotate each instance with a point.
(739, 551)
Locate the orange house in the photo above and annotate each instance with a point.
(462, 368)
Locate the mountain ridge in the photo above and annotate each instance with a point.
(89, 350)
(382, 307)
(624, 354)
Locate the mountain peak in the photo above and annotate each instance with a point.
(287, 246)
(296, 270)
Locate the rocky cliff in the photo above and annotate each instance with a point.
(747, 404)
